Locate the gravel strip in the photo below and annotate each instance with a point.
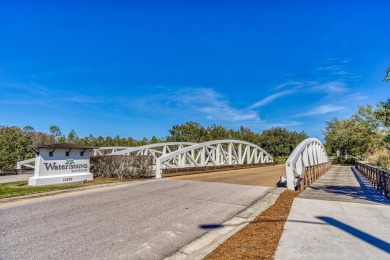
(260, 238)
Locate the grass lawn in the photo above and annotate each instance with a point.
(13, 189)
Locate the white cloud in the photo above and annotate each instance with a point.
(271, 98)
(213, 105)
(338, 70)
(284, 123)
(333, 87)
(322, 109)
(290, 83)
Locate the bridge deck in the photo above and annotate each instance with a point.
(343, 183)
(267, 176)
(341, 216)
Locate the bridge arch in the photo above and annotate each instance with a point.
(213, 153)
(155, 150)
(309, 152)
(108, 150)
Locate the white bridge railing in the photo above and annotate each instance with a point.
(108, 150)
(309, 152)
(155, 150)
(26, 163)
(213, 153)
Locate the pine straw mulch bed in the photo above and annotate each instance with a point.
(260, 238)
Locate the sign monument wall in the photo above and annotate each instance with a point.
(61, 163)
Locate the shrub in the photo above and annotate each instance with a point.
(380, 158)
(338, 160)
(350, 160)
(122, 166)
(280, 159)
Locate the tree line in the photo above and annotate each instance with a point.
(16, 142)
(364, 135)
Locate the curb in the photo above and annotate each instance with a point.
(204, 245)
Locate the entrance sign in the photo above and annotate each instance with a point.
(61, 163)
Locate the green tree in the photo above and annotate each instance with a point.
(130, 142)
(100, 141)
(217, 132)
(279, 141)
(245, 134)
(387, 75)
(348, 136)
(28, 129)
(188, 132)
(383, 112)
(56, 132)
(154, 140)
(14, 146)
(72, 137)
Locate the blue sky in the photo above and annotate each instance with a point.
(135, 68)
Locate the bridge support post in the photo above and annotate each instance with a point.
(158, 169)
(290, 176)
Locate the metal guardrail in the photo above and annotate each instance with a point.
(379, 178)
(312, 173)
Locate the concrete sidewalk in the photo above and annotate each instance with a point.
(339, 217)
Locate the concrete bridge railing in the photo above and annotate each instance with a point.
(310, 152)
(29, 163)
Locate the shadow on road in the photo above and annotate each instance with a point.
(351, 191)
(362, 193)
(212, 226)
(369, 191)
(383, 245)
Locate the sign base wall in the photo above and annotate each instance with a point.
(58, 179)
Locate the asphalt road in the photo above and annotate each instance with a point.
(258, 176)
(143, 220)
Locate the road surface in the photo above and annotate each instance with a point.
(143, 220)
(260, 176)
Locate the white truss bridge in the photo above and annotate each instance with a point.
(174, 155)
(309, 152)
(213, 153)
(219, 153)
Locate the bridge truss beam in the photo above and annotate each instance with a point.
(213, 153)
(155, 150)
(108, 150)
(29, 163)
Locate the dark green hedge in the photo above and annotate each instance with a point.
(122, 166)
